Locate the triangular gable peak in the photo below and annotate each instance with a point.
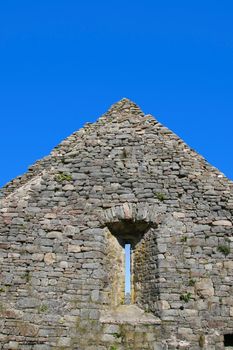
(122, 116)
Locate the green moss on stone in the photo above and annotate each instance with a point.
(224, 249)
(160, 196)
(185, 297)
(62, 177)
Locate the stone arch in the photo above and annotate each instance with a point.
(140, 212)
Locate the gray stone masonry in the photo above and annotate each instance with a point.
(64, 224)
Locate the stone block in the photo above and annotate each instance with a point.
(64, 341)
(28, 303)
(204, 288)
(49, 258)
(222, 223)
(13, 345)
(74, 248)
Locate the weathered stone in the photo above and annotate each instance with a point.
(95, 295)
(27, 329)
(64, 264)
(64, 226)
(222, 223)
(49, 258)
(178, 215)
(28, 303)
(54, 234)
(228, 264)
(163, 305)
(205, 288)
(72, 248)
(64, 341)
(68, 188)
(38, 257)
(13, 345)
(41, 347)
(159, 346)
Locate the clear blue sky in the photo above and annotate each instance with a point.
(63, 62)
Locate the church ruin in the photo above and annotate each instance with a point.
(64, 225)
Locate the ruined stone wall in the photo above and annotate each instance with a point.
(59, 264)
(115, 265)
(145, 273)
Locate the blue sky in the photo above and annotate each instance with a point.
(64, 62)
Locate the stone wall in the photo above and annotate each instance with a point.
(115, 264)
(61, 259)
(145, 272)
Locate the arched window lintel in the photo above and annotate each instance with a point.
(140, 213)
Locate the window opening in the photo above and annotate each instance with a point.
(130, 282)
(228, 340)
(128, 273)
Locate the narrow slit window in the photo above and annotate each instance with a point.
(228, 340)
(127, 273)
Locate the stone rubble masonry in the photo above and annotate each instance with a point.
(63, 226)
